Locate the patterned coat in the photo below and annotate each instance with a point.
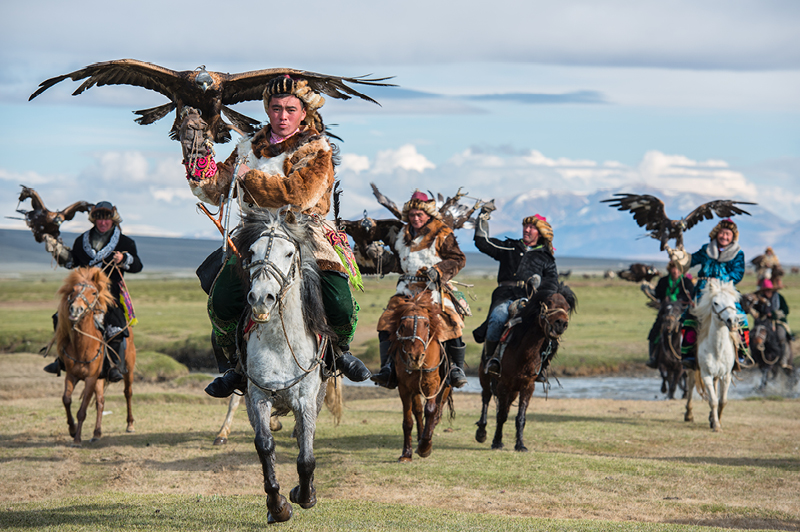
(298, 171)
(726, 266)
(434, 247)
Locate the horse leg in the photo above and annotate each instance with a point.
(486, 396)
(764, 378)
(130, 362)
(724, 385)
(688, 416)
(100, 402)
(304, 493)
(524, 399)
(503, 405)
(279, 508)
(425, 443)
(408, 422)
(225, 429)
(69, 387)
(88, 393)
(713, 402)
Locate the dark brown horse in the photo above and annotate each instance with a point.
(85, 296)
(421, 369)
(543, 320)
(668, 347)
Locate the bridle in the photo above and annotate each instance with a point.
(269, 269)
(544, 318)
(82, 297)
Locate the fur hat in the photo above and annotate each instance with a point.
(419, 201)
(295, 87)
(727, 223)
(105, 207)
(544, 228)
(766, 284)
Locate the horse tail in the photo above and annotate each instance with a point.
(334, 399)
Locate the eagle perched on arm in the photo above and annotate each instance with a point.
(648, 212)
(210, 92)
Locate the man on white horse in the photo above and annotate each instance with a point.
(288, 163)
(720, 259)
(106, 247)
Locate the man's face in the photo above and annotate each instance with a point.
(530, 235)
(103, 224)
(417, 218)
(674, 273)
(285, 114)
(724, 237)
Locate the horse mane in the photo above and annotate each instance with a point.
(423, 301)
(92, 275)
(703, 309)
(297, 227)
(533, 309)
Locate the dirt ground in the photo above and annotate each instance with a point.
(617, 455)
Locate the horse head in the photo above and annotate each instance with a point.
(416, 323)
(671, 312)
(555, 310)
(85, 292)
(275, 258)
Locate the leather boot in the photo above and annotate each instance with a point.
(115, 347)
(230, 381)
(351, 367)
(385, 377)
(493, 363)
(55, 367)
(457, 377)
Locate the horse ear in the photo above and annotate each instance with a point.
(290, 217)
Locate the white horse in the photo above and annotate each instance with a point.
(717, 341)
(285, 345)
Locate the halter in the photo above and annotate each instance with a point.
(89, 306)
(544, 322)
(414, 336)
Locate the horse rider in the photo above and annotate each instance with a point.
(776, 310)
(428, 254)
(106, 247)
(720, 259)
(521, 261)
(290, 162)
(675, 286)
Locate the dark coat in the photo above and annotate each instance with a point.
(125, 245)
(684, 291)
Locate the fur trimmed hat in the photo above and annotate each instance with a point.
(107, 209)
(727, 223)
(420, 201)
(296, 87)
(544, 228)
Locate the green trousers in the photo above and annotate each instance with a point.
(229, 297)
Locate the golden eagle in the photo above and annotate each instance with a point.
(42, 221)
(454, 214)
(210, 92)
(648, 212)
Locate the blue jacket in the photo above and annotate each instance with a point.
(732, 270)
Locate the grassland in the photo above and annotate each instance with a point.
(608, 334)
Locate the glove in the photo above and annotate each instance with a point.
(486, 210)
(682, 258)
(50, 243)
(433, 275)
(192, 134)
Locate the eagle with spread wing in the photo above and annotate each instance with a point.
(210, 92)
(453, 213)
(648, 212)
(43, 221)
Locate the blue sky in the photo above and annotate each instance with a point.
(572, 95)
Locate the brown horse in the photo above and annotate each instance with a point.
(421, 370)
(85, 296)
(543, 320)
(668, 348)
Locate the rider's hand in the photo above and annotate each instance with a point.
(433, 275)
(192, 134)
(50, 243)
(118, 257)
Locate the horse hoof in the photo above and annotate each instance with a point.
(282, 511)
(294, 496)
(497, 446)
(404, 459)
(95, 439)
(480, 435)
(220, 441)
(75, 444)
(425, 449)
(130, 429)
(521, 448)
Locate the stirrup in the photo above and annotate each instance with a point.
(490, 367)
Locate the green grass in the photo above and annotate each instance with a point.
(607, 334)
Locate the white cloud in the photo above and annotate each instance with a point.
(405, 158)
(29, 178)
(354, 163)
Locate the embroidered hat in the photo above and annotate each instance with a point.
(420, 201)
(727, 223)
(766, 284)
(544, 228)
(104, 209)
(295, 87)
